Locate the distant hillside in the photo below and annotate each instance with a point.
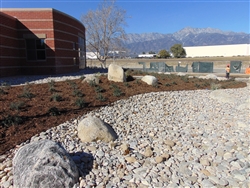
(138, 43)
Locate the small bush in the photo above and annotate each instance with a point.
(113, 86)
(26, 92)
(17, 105)
(99, 89)
(56, 97)
(54, 111)
(52, 86)
(185, 78)
(138, 81)
(167, 84)
(3, 88)
(72, 84)
(52, 83)
(92, 83)
(100, 97)
(2, 91)
(12, 120)
(77, 93)
(197, 85)
(156, 85)
(206, 84)
(117, 92)
(80, 102)
(5, 85)
(126, 84)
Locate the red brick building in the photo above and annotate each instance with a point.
(40, 41)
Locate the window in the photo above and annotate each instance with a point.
(81, 52)
(35, 49)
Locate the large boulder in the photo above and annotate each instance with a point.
(150, 80)
(116, 73)
(44, 164)
(91, 129)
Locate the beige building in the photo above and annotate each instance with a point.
(218, 50)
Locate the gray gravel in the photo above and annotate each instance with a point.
(174, 139)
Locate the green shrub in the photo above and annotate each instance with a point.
(77, 93)
(80, 102)
(117, 92)
(92, 83)
(2, 91)
(72, 84)
(156, 85)
(138, 81)
(197, 85)
(99, 89)
(126, 84)
(12, 120)
(206, 84)
(3, 88)
(167, 84)
(5, 85)
(26, 93)
(185, 78)
(17, 105)
(113, 86)
(100, 97)
(53, 111)
(52, 86)
(56, 97)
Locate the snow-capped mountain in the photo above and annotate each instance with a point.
(138, 43)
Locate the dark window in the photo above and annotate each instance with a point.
(35, 49)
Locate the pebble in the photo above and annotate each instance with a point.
(166, 139)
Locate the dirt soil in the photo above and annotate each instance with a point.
(32, 108)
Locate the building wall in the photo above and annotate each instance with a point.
(220, 50)
(9, 46)
(60, 34)
(66, 33)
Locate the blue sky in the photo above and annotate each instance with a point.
(161, 16)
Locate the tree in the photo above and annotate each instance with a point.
(163, 54)
(104, 29)
(178, 51)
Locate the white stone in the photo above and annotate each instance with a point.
(116, 73)
(91, 129)
(150, 80)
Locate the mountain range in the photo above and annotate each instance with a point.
(146, 42)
